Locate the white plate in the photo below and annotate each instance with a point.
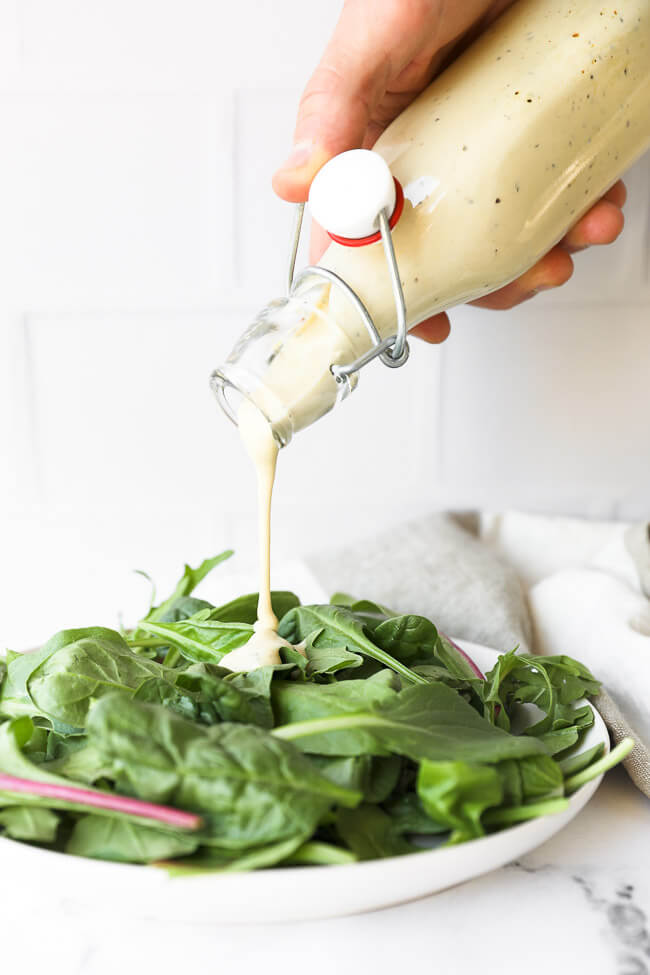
(281, 894)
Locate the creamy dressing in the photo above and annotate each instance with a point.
(498, 157)
(263, 648)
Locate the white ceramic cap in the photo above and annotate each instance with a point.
(348, 193)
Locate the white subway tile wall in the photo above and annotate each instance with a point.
(139, 235)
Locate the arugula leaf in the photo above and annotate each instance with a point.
(186, 585)
(370, 833)
(456, 794)
(250, 788)
(323, 661)
(199, 638)
(28, 823)
(106, 838)
(338, 627)
(553, 684)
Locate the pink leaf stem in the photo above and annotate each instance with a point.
(102, 800)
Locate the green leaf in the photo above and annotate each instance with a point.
(244, 608)
(454, 660)
(431, 722)
(369, 613)
(409, 816)
(553, 684)
(106, 838)
(338, 628)
(374, 777)
(410, 639)
(315, 854)
(60, 681)
(576, 763)
(295, 703)
(28, 823)
(203, 694)
(328, 660)
(209, 860)
(541, 777)
(200, 639)
(250, 788)
(456, 794)
(183, 607)
(186, 585)
(370, 833)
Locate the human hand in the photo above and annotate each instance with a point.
(382, 54)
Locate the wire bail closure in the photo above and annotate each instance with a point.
(392, 351)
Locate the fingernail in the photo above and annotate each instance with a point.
(299, 156)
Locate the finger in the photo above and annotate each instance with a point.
(601, 225)
(433, 330)
(617, 194)
(371, 44)
(554, 270)
(319, 241)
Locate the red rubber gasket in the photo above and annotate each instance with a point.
(373, 238)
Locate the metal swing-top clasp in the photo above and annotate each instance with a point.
(357, 200)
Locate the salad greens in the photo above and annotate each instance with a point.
(375, 737)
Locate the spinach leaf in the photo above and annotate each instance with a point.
(409, 816)
(541, 777)
(299, 704)
(430, 722)
(456, 794)
(202, 693)
(338, 628)
(106, 838)
(411, 639)
(183, 607)
(250, 788)
(366, 611)
(199, 638)
(576, 763)
(370, 833)
(244, 608)
(374, 777)
(317, 854)
(61, 680)
(209, 860)
(29, 823)
(563, 738)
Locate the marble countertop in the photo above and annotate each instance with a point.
(580, 900)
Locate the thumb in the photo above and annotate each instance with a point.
(337, 103)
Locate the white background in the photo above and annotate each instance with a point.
(138, 235)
